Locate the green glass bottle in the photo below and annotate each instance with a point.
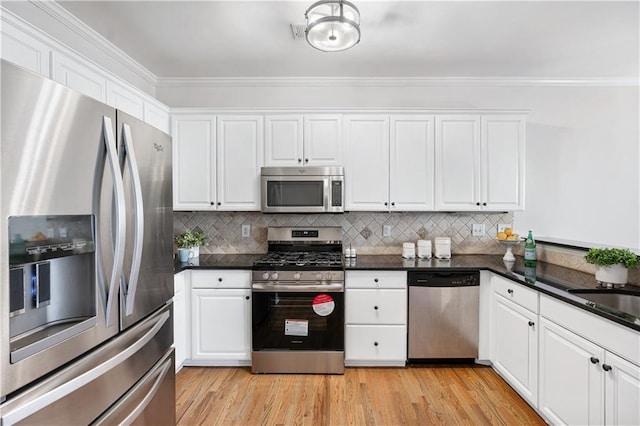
(530, 251)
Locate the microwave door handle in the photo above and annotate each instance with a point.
(327, 194)
(119, 218)
(138, 239)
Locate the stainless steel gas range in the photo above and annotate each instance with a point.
(298, 302)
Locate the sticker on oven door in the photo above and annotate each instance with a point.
(323, 305)
(294, 327)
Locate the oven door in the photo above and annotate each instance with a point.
(290, 320)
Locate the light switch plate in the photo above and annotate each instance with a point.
(246, 230)
(386, 230)
(478, 230)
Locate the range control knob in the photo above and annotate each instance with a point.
(265, 276)
(319, 276)
(296, 276)
(328, 276)
(274, 276)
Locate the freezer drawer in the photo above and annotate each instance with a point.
(81, 392)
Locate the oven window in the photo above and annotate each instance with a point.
(296, 321)
(295, 193)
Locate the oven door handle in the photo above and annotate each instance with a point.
(302, 288)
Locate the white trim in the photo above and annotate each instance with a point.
(393, 82)
(94, 38)
(178, 111)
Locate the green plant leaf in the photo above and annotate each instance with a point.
(611, 256)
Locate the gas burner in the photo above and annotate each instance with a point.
(300, 259)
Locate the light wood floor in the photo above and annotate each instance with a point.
(362, 396)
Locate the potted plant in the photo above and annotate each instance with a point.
(192, 240)
(612, 264)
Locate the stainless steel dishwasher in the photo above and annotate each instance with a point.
(443, 315)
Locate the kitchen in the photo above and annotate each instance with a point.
(576, 86)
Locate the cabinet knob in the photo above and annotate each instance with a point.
(484, 204)
(247, 297)
(531, 323)
(386, 204)
(306, 160)
(299, 160)
(375, 280)
(594, 360)
(375, 343)
(219, 203)
(393, 203)
(220, 279)
(606, 367)
(478, 203)
(375, 307)
(213, 204)
(509, 291)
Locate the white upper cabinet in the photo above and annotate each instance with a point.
(240, 140)
(366, 139)
(194, 178)
(297, 140)
(125, 99)
(24, 50)
(323, 140)
(411, 162)
(479, 162)
(78, 76)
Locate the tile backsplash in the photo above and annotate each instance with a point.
(363, 230)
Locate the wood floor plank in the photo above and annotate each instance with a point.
(433, 395)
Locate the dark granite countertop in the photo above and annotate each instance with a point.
(550, 279)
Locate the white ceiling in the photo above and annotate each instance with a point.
(501, 39)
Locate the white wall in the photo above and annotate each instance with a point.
(583, 155)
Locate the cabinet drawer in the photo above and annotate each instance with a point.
(376, 279)
(373, 306)
(517, 293)
(220, 278)
(376, 343)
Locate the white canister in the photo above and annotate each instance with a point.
(424, 249)
(443, 248)
(408, 250)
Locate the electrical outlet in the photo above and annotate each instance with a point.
(478, 230)
(386, 230)
(246, 230)
(503, 226)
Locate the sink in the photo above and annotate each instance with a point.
(619, 299)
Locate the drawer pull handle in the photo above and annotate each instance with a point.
(220, 279)
(375, 280)
(606, 367)
(594, 360)
(247, 297)
(376, 344)
(509, 291)
(531, 323)
(375, 307)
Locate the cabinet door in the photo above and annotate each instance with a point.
(323, 140)
(283, 140)
(221, 324)
(411, 163)
(375, 306)
(367, 162)
(240, 140)
(125, 99)
(77, 76)
(23, 50)
(622, 391)
(375, 345)
(515, 346)
(194, 182)
(502, 147)
(457, 163)
(571, 379)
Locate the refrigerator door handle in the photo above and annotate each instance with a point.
(119, 215)
(41, 401)
(138, 242)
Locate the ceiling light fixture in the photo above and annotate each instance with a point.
(333, 25)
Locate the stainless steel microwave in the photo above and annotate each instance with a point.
(302, 189)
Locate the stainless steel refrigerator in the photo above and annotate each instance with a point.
(86, 260)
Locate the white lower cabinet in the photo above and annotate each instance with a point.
(180, 318)
(376, 318)
(581, 381)
(221, 318)
(514, 336)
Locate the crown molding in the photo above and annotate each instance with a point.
(67, 19)
(394, 82)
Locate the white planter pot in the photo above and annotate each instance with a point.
(614, 274)
(195, 251)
